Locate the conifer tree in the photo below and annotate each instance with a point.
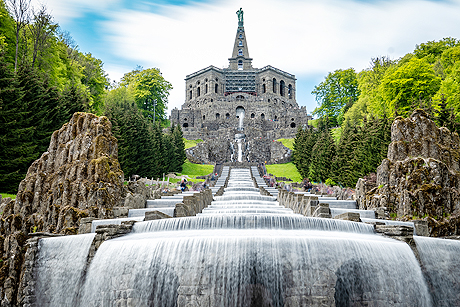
(179, 149)
(16, 148)
(322, 156)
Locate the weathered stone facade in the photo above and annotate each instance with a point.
(267, 96)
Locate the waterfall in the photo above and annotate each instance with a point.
(60, 269)
(247, 250)
(441, 263)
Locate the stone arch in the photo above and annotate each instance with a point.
(253, 115)
(185, 125)
(274, 85)
(216, 88)
(217, 115)
(282, 86)
(290, 91)
(227, 116)
(262, 116)
(204, 117)
(198, 91)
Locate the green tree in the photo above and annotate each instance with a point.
(413, 80)
(336, 94)
(323, 153)
(179, 149)
(16, 148)
(150, 91)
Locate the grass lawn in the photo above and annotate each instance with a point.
(4, 195)
(192, 170)
(191, 143)
(287, 170)
(289, 143)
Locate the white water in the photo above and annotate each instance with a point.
(441, 262)
(240, 258)
(60, 269)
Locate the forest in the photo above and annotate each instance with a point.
(351, 134)
(44, 79)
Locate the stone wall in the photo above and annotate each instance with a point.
(420, 177)
(193, 204)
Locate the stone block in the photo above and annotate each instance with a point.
(155, 215)
(120, 212)
(395, 230)
(85, 225)
(421, 228)
(348, 216)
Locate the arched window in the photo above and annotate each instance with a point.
(253, 115)
(217, 115)
(227, 116)
(282, 85)
(290, 91)
(240, 36)
(206, 89)
(216, 88)
(274, 85)
(198, 91)
(276, 117)
(262, 116)
(240, 43)
(240, 51)
(240, 65)
(263, 88)
(185, 125)
(190, 95)
(292, 125)
(185, 119)
(204, 117)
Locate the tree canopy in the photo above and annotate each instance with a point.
(336, 94)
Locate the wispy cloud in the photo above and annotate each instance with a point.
(306, 38)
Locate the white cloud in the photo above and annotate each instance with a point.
(306, 38)
(67, 9)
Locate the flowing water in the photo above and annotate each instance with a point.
(246, 250)
(60, 269)
(441, 264)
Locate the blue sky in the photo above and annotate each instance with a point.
(308, 38)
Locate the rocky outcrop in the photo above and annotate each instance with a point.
(420, 178)
(78, 177)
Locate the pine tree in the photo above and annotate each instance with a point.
(179, 149)
(16, 148)
(323, 153)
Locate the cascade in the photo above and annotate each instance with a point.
(61, 261)
(247, 250)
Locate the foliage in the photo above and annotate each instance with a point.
(143, 148)
(150, 91)
(287, 170)
(336, 94)
(330, 182)
(289, 143)
(411, 81)
(323, 153)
